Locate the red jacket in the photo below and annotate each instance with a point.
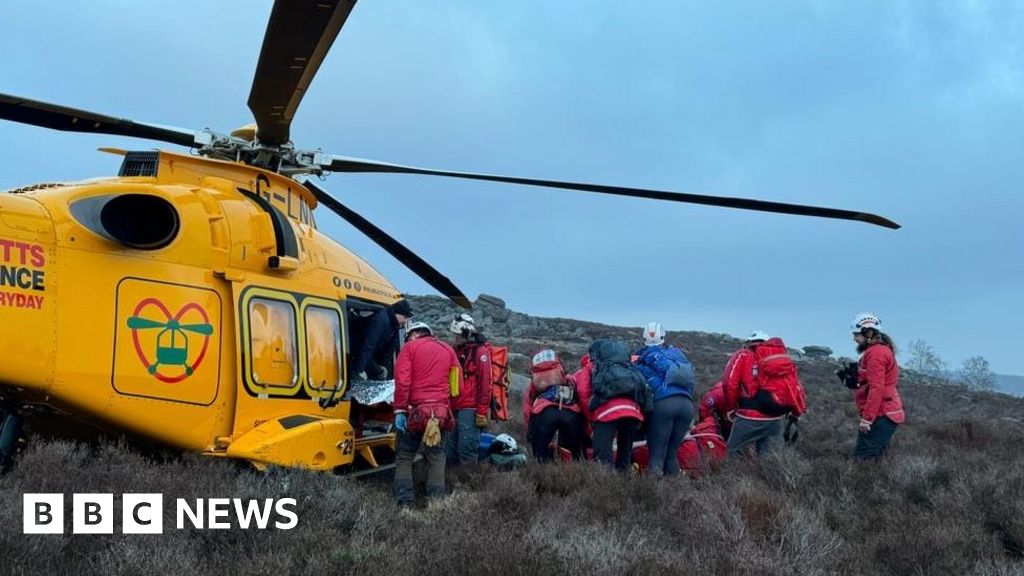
(612, 410)
(475, 392)
(713, 406)
(739, 381)
(879, 373)
(421, 373)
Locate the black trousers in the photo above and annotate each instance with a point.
(604, 432)
(872, 444)
(568, 425)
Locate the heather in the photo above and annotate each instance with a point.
(949, 499)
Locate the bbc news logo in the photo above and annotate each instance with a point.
(144, 514)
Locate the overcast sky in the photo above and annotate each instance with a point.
(912, 110)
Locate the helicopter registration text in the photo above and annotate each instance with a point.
(22, 267)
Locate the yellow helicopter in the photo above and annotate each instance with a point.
(191, 299)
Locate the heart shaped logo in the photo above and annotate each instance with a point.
(177, 337)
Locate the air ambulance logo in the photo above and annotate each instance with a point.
(171, 346)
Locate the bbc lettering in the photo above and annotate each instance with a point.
(144, 514)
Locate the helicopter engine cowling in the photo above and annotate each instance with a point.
(139, 221)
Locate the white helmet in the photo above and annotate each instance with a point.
(504, 444)
(418, 326)
(463, 325)
(654, 334)
(758, 335)
(865, 320)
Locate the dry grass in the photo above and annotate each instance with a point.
(949, 500)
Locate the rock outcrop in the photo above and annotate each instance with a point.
(817, 351)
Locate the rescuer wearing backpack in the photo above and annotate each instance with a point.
(472, 405)
(878, 401)
(670, 376)
(619, 397)
(552, 404)
(762, 388)
(425, 372)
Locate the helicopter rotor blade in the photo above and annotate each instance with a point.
(47, 115)
(439, 281)
(203, 329)
(139, 323)
(353, 165)
(299, 34)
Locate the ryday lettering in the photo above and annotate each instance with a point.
(143, 514)
(22, 268)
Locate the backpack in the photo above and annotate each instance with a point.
(613, 376)
(778, 386)
(500, 376)
(668, 367)
(500, 382)
(547, 374)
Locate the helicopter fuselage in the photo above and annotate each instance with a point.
(191, 301)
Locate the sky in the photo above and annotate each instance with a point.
(911, 110)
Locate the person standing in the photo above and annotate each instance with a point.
(614, 386)
(473, 403)
(877, 399)
(670, 376)
(425, 372)
(762, 389)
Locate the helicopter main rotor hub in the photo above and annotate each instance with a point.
(283, 159)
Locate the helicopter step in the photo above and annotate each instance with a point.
(301, 440)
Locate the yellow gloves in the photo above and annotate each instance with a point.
(481, 421)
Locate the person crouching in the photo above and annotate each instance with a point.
(552, 405)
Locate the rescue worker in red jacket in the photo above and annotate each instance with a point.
(618, 420)
(473, 404)
(425, 372)
(751, 428)
(713, 406)
(552, 405)
(878, 401)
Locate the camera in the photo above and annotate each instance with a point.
(848, 375)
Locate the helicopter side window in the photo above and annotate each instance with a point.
(323, 348)
(273, 343)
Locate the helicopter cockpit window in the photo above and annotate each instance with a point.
(323, 348)
(273, 343)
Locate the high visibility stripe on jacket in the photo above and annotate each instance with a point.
(611, 410)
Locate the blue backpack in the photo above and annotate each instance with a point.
(667, 371)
